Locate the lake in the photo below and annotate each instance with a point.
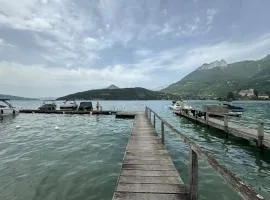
(79, 156)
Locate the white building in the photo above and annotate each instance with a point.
(247, 93)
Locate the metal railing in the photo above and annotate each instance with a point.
(246, 191)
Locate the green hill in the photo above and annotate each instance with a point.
(136, 93)
(5, 96)
(218, 78)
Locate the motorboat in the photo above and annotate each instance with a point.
(86, 105)
(180, 105)
(48, 105)
(6, 109)
(233, 110)
(69, 105)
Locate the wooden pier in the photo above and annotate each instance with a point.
(148, 172)
(77, 112)
(255, 135)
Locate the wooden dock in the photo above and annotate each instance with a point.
(77, 112)
(258, 136)
(147, 169)
(148, 172)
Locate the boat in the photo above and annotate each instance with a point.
(233, 110)
(180, 105)
(48, 105)
(69, 105)
(6, 109)
(86, 105)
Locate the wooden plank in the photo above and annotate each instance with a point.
(150, 179)
(151, 188)
(148, 196)
(150, 167)
(147, 169)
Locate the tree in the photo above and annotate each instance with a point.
(230, 96)
(256, 93)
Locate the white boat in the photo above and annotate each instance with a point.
(180, 105)
(6, 109)
(69, 105)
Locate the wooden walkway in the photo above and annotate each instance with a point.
(232, 128)
(147, 172)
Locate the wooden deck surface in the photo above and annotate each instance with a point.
(234, 129)
(147, 172)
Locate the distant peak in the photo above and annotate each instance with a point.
(222, 63)
(112, 87)
(267, 57)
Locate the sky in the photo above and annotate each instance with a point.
(50, 48)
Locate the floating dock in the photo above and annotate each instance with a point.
(258, 136)
(147, 169)
(125, 115)
(77, 112)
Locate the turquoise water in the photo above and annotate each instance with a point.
(79, 157)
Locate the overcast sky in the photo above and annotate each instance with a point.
(56, 47)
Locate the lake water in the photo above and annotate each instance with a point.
(79, 157)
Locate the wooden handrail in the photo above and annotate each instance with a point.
(246, 191)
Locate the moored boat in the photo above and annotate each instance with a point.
(233, 110)
(6, 109)
(86, 105)
(180, 105)
(48, 105)
(69, 105)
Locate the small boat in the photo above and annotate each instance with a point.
(6, 109)
(69, 105)
(180, 105)
(233, 110)
(86, 105)
(48, 105)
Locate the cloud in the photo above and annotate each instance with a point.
(49, 81)
(166, 29)
(143, 52)
(210, 14)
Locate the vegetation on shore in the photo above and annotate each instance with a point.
(136, 93)
(218, 81)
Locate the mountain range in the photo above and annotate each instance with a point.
(218, 78)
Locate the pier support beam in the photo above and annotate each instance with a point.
(260, 134)
(226, 121)
(193, 175)
(162, 133)
(154, 121)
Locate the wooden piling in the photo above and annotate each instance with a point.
(193, 175)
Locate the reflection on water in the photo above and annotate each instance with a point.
(81, 159)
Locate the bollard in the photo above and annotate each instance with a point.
(260, 134)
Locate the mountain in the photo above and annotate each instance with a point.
(217, 79)
(112, 87)
(136, 93)
(5, 96)
(221, 63)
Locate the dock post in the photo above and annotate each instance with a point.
(162, 133)
(226, 121)
(193, 175)
(260, 134)
(150, 116)
(206, 117)
(154, 121)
